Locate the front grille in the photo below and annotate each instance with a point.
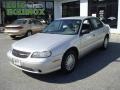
(20, 54)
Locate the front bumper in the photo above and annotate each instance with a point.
(36, 65)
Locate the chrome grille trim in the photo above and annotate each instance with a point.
(20, 54)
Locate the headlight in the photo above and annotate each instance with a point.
(43, 54)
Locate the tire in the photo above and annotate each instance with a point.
(69, 62)
(105, 43)
(13, 36)
(29, 33)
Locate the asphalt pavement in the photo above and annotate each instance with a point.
(99, 70)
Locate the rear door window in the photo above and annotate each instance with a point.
(36, 22)
(96, 23)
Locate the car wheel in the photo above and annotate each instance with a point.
(13, 36)
(69, 62)
(29, 33)
(105, 43)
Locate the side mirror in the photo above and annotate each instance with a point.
(85, 31)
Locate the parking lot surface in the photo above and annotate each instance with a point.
(99, 70)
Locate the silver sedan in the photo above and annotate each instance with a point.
(59, 45)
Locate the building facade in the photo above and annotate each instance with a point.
(106, 10)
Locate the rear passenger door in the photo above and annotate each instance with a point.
(38, 26)
(87, 37)
(32, 26)
(35, 26)
(98, 30)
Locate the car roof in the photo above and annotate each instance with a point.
(78, 17)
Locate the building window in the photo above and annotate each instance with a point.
(14, 9)
(71, 9)
(105, 10)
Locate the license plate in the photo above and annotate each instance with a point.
(16, 62)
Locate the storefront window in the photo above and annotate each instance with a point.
(15, 9)
(106, 10)
(71, 9)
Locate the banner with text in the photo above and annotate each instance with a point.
(23, 8)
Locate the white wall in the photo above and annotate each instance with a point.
(83, 7)
(57, 9)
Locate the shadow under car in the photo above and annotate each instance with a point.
(87, 66)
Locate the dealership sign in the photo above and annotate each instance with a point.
(23, 8)
(25, 12)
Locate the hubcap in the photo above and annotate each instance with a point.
(106, 43)
(70, 62)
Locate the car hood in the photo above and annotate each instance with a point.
(41, 42)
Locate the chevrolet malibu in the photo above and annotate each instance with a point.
(60, 45)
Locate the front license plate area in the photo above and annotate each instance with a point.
(16, 62)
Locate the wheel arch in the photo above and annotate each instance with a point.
(75, 49)
(29, 30)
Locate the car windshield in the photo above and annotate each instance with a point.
(20, 21)
(66, 27)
